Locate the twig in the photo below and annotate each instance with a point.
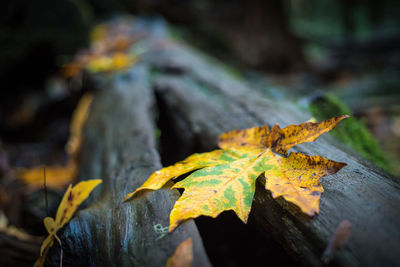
(61, 256)
(45, 191)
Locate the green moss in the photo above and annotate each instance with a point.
(351, 131)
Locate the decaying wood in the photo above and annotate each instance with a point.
(203, 101)
(119, 147)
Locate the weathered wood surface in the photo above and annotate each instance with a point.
(202, 101)
(197, 101)
(119, 147)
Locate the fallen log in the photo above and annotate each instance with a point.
(205, 101)
(119, 147)
(197, 101)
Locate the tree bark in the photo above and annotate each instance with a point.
(120, 148)
(204, 102)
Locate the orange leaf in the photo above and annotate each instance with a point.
(183, 255)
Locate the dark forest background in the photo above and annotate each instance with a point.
(343, 52)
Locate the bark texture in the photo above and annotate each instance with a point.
(205, 101)
(197, 100)
(119, 147)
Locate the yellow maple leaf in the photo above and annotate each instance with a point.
(226, 178)
(72, 198)
(183, 255)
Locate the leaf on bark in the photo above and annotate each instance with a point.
(72, 198)
(225, 179)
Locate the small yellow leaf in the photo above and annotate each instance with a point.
(183, 255)
(72, 198)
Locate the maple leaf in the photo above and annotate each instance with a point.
(225, 179)
(182, 256)
(72, 198)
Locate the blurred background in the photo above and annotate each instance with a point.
(330, 57)
(340, 54)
